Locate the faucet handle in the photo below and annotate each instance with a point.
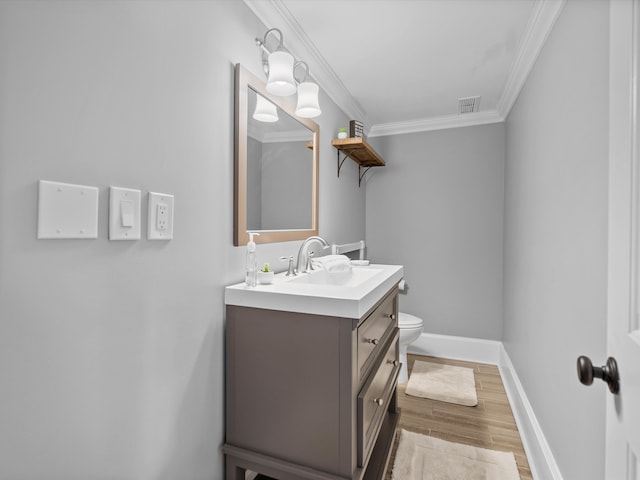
(291, 270)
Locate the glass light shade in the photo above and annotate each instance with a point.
(265, 110)
(308, 106)
(280, 81)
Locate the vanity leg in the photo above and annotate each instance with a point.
(233, 470)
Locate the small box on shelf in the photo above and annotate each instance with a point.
(356, 129)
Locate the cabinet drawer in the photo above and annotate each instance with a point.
(373, 399)
(373, 332)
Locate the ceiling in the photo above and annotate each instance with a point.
(402, 65)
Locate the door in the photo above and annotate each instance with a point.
(623, 325)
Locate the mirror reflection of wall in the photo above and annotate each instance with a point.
(279, 171)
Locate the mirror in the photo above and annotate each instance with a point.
(276, 167)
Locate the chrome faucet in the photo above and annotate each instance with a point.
(303, 253)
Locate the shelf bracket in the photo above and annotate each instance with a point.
(340, 162)
(361, 173)
(361, 170)
(347, 154)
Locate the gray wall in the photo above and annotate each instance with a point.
(111, 353)
(556, 234)
(437, 209)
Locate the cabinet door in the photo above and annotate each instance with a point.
(283, 372)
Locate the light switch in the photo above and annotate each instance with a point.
(67, 211)
(124, 213)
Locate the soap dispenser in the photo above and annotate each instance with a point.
(252, 266)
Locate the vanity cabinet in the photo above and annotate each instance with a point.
(311, 396)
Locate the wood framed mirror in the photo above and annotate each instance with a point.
(276, 167)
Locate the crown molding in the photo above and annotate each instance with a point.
(436, 123)
(540, 24)
(273, 13)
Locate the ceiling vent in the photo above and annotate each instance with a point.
(468, 104)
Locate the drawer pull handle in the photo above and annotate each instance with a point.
(378, 401)
(395, 363)
(374, 341)
(392, 316)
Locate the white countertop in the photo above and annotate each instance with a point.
(292, 295)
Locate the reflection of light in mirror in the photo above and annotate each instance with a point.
(265, 110)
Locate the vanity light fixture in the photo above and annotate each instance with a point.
(280, 67)
(281, 81)
(265, 110)
(308, 106)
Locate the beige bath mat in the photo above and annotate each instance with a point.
(420, 457)
(446, 383)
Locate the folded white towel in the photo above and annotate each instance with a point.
(329, 258)
(337, 266)
(332, 263)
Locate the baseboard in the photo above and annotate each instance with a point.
(457, 348)
(541, 461)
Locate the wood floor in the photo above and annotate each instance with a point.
(490, 424)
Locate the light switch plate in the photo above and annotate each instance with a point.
(160, 216)
(67, 211)
(124, 213)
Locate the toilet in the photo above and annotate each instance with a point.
(410, 329)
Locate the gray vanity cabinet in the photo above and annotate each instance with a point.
(311, 396)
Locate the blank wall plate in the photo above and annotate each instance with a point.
(160, 217)
(67, 211)
(124, 213)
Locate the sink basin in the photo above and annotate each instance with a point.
(351, 278)
(351, 294)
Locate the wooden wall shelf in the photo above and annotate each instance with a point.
(358, 150)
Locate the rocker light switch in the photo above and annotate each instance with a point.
(124, 213)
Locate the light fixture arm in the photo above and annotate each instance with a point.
(266, 52)
(301, 63)
(263, 43)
